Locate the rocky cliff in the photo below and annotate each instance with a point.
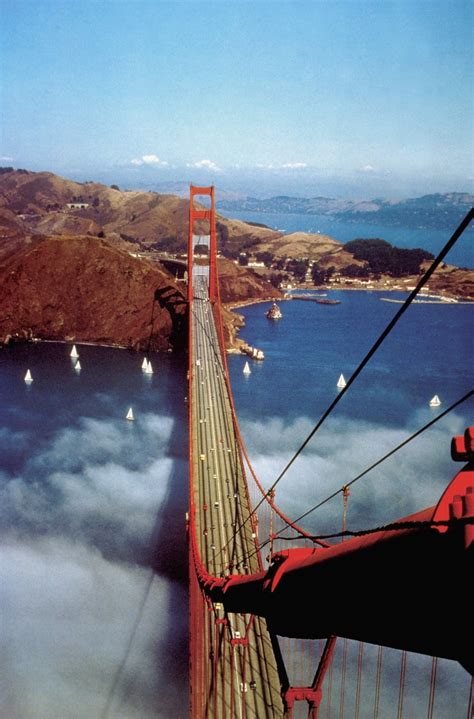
(238, 284)
(83, 289)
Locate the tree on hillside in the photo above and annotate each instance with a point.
(276, 278)
(232, 254)
(356, 271)
(297, 268)
(321, 275)
(383, 258)
(265, 257)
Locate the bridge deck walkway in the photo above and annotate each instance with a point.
(246, 676)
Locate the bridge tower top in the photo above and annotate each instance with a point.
(198, 238)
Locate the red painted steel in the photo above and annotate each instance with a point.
(398, 573)
(196, 213)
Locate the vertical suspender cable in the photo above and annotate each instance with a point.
(328, 708)
(434, 668)
(470, 705)
(401, 691)
(215, 666)
(378, 677)
(345, 646)
(359, 679)
(232, 687)
(224, 664)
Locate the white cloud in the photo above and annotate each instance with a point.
(367, 168)
(151, 160)
(65, 640)
(102, 487)
(5, 158)
(89, 521)
(205, 165)
(284, 166)
(294, 165)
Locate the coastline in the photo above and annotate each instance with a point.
(446, 299)
(79, 343)
(251, 301)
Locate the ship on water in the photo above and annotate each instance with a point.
(274, 313)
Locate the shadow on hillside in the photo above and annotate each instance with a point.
(174, 302)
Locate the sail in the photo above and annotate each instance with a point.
(130, 415)
(74, 352)
(435, 401)
(77, 366)
(28, 377)
(341, 382)
(144, 363)
(246, 369)
(149, 368)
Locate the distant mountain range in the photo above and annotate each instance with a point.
(439, 211)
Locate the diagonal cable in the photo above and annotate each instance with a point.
(422, 282)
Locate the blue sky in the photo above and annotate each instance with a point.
(363, 95)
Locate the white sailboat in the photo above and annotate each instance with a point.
(341, 382)
(435, 401)
(247, 369)
(77, 366)
(144, 363)
(149, 368)
(28, 377)
(129, 415)
(74, 353)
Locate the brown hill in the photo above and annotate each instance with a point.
(40, 200)
(452, 281)
(12, 234)
(238, 284)
(82, 289)
(59, 223)
(301, 244)
(85, 289)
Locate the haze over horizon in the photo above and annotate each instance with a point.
(346, 99)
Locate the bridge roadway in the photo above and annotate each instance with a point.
(249, 673)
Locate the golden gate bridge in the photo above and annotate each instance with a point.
(264, 618)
